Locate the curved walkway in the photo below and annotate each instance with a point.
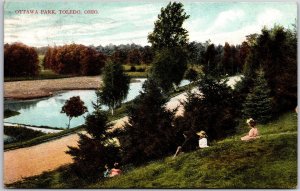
(31, 161)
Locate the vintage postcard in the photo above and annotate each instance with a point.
(150, 94)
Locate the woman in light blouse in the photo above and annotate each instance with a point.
(202, 140)
(253, 133)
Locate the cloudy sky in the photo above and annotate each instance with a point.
(131, 22)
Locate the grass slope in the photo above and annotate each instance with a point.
(270, 162)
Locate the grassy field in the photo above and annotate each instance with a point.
(21, 134)
(41, 139)
(269, 162)
(141, 71)
(44, 74)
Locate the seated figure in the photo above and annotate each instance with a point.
(115, 171)
(253, 133)
(202, 139)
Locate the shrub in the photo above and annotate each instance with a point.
(132, 69)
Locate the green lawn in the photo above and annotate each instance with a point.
(269, 162)
(44, 74)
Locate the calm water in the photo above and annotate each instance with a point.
(46, 111)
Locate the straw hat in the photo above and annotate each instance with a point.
(250, 120)
(202, 134)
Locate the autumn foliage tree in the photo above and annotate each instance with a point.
(134, 57)
(74, 59)
(20, 60)
(74, 107)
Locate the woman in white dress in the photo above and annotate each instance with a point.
(202, 139)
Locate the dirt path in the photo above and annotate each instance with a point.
(42, 88)
(31, 161)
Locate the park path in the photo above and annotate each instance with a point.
(34, 160)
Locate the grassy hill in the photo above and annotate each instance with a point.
(269, 162)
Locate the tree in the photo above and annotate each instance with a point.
(169, 41)
(191, 75)
(134, 57)
(73, 107)
(20, 60)
(168, 31)
(212, 110)
(95, 149)
(258, 104)
(210, 60)
(115, 85)
(74, 59)
(147, 55)
(149, 133)
(226, 63)
(275, 51)
(243, 53)
(91, 61)
(119, 56)
(168, 68)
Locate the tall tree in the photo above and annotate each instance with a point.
(169, 41)
(134, 57)
(168, 68)
(149, 133)
(74, 107)
(119, 56)
(212, 110)
(243, 53)
(95, 149)
(210, 60)
(115, 85)
(168, 31)
(258, 104)
(226, 63)
(274, 50)
(147, 55)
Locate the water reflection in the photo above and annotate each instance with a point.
(46, 111)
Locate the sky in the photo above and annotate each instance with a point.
(131, 22)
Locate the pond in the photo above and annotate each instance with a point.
(46, 111)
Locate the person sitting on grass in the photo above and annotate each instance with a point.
(253, 133)
(106, 172)
(202, 139)
(115, 171)
(189, 144)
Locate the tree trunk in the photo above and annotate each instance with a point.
(112, 111)
(69, 122)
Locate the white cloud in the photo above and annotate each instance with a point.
(226, 18)
(266, 18)
(269, 17)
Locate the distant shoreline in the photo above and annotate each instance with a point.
(35, 89)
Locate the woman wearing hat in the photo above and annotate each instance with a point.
(203, 139)
(253, 133)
